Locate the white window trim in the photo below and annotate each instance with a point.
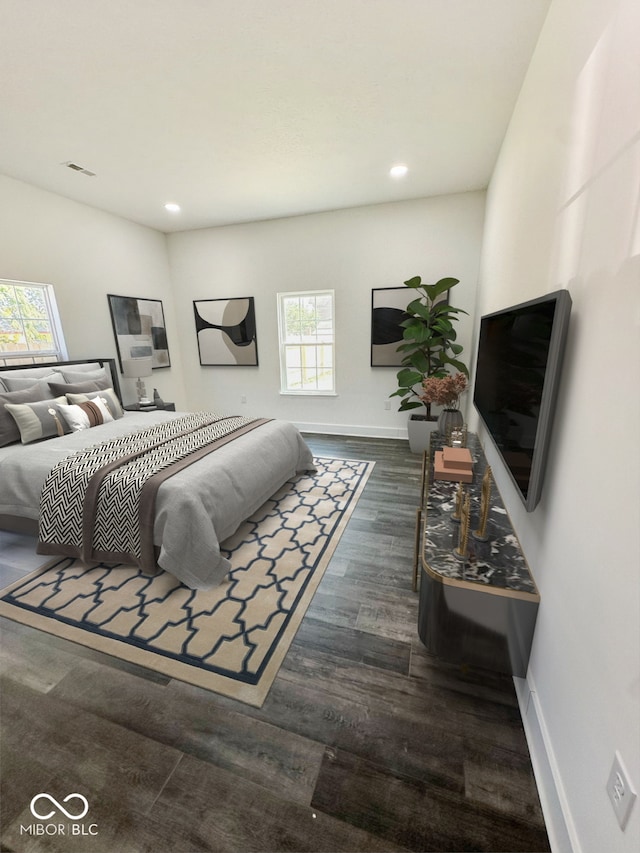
(57, 353)
(305, 392)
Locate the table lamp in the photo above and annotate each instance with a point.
(137, 368)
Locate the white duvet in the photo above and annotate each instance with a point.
(196, 509)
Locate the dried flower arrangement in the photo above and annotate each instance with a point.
(444, 391)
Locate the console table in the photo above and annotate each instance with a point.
(480, 611)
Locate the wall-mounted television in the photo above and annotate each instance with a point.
(520, 352)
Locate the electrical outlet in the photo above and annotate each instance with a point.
(387, 405)
(620, 791)
(243, 398)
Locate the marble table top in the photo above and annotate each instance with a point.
(498, 562)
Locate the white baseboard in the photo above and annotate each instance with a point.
(560, 828)
(355, 430)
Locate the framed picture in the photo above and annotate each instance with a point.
(387, 312)
(138, 325)
(226, 331)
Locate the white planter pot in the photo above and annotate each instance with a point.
(420, 432)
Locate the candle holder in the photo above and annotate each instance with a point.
(461, 552)
(457, 436)
(485, 501)
(456, 515)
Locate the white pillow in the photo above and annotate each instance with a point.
(108, 396)
(86, 415)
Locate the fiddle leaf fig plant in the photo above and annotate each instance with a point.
(429, 347)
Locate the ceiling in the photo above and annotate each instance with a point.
(241, 110)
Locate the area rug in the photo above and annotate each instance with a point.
(231, 639)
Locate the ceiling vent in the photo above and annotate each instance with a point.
(81, 169)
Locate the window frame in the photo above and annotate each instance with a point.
(56, 353)
(282, 345)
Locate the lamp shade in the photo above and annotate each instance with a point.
(134, 368)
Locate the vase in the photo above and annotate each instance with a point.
(448, 419)
(419, 429)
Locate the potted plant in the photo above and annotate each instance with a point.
(429, 350)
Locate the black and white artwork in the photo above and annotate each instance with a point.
(226, 331)
(139, 328)
(387, 312)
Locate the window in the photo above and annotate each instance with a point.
(30, 330)
(307, 342)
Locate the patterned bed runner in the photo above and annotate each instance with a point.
(99, 503)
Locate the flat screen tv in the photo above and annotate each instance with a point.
(520, 352)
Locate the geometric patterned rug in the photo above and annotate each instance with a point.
(231, 639)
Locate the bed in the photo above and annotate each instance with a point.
(194, 510)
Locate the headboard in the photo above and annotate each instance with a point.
(42, 369)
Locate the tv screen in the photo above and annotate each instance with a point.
(520, 353)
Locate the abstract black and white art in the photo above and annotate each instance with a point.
(226, 331)
(139, 327)
(387, 312)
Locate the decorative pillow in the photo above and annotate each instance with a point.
(22, 382)
(85, 375)
(38, 420)
(80, 387)
(9, 432)
(108, 397)
(86, 415)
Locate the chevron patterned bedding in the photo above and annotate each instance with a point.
(195, 509)
(99, 503)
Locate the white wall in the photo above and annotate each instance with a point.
(86, 253)
(563, 210)
(351, 251)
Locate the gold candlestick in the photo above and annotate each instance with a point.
(485, 502)
(461, 553)
(456, 514)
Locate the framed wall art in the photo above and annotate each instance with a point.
(138, 325)
(226, 331)
(387, 312)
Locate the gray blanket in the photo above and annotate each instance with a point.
(196, 509)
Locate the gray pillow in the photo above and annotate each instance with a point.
(58, 388)
(85, 375)
(9, 432)
(21, 382)
(38, 420)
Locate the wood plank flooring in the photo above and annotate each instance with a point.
(365, 741)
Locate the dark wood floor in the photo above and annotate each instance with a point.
(365, 742)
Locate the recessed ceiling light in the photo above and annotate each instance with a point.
(399, 170)
(172, 207)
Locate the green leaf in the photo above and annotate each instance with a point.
(407, 378)
(445, 308)
(445, 284)
(416, 281)
(421, 363)
(418, 307)
(420, 334)
(454, 362)
(410, 404)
